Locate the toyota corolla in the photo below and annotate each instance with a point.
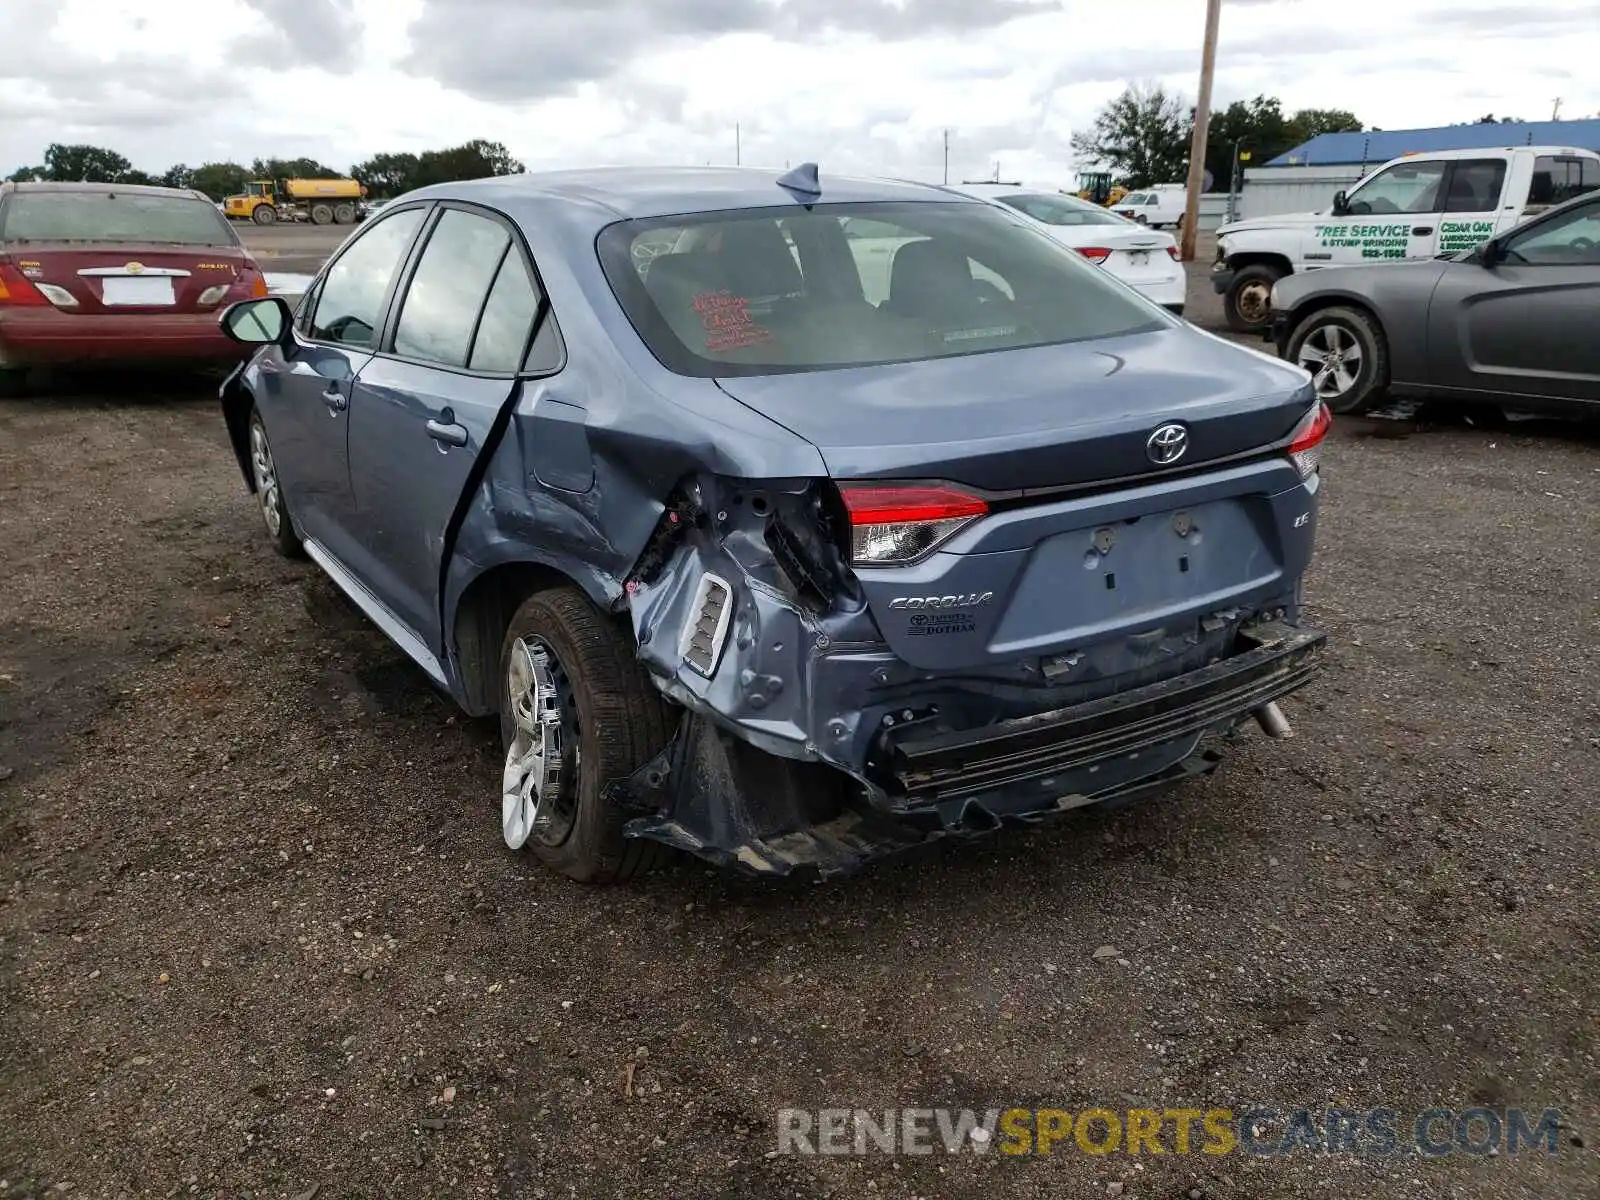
(785, 519)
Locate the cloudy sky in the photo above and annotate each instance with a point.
(860, 85)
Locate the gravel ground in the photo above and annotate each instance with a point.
(259, 935)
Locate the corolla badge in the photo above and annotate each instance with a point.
(965, 600)
(1167, 444)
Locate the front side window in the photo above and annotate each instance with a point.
(448, 288)
(763, 291)
(1570, 240)
(114, 216)
(1058, 210)
(1475, 186)
(1403, 188)
(350, 301)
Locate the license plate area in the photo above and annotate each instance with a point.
(144, 291)
(1085, 584)
(1139, 258)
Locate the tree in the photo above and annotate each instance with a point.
(27, 175)
(387, 174)
(1258, 124)
(1142, 137)
(1491, 119)
(219, 179)
(84, 164)
(1308, 123)
(477, 159)
(177, 176)
(291, 168)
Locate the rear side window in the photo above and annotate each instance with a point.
(113, 216)
(350, 302)
(1475, 186)
(447, 291)
(762, 291)
(507, 318)
(1556, 180)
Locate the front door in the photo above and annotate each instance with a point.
(426, 406)
(1525, 326)
(310, 387)
(1392, 216)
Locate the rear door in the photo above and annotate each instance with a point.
(1526, 326)
(1472, 204)
(306, 392)
(425, 408)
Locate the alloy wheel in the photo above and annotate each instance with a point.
(538, 793)
(1333, 356)
(266, 477)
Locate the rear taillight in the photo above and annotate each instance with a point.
(1095, 254)
(1172, 253)
(894, 524)
(1305, 444)
(16, 290)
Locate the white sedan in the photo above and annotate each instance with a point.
(1143, 258)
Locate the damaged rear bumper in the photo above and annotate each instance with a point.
(705, 793)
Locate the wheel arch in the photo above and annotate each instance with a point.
(482, 609)
(1241, 259)
(237, 401)
(1323, 301)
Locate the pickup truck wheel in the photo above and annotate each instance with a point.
(264, 214)
(1248, 303)
(1347, 355)
(576, 712)
(269, 491)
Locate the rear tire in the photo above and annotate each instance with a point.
(264, 214)
(269, 490)
(1340, 345)
(321, 214)
(612, 722)
(344, 214)
(13, 382)
(1248, 303)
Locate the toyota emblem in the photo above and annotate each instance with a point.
(1166, 444)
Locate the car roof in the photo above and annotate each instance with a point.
(636, 192)
(126, 189)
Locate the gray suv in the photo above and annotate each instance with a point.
(788, 520)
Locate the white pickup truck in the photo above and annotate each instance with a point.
(1418, 206)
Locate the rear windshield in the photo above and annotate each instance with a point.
(1058, 210)
(764, 291)
(112, 216)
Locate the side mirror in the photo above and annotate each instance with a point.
(1341, 204)
(261, 322)
(1491, 253)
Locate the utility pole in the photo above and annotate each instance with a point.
(1555, 113)
(1202, 119)
(947, 156)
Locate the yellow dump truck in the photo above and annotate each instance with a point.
(320, 201)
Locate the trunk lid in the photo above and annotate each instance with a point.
(130, 278)
(1044, 417)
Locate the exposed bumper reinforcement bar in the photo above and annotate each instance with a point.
(934, 769)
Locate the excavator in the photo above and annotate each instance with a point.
(1097, 188)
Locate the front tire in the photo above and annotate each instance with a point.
(576, 712)
(269, 491)
(1347, 355)
(1248, 303)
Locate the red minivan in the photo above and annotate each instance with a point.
(111, 274)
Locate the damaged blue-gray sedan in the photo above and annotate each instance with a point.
(785, 519)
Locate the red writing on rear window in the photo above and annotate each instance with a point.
(728, 322)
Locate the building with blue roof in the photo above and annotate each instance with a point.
(1379, 146)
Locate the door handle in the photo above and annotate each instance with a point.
(335, 400)
(450, 435)
(1421, 230)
